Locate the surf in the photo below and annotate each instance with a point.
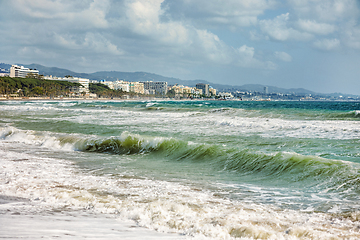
(285, 168)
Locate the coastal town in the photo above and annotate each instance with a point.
(85, 88)
(138, 89)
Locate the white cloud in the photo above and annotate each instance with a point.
(312, 26)
(325, 10)
(93, 16)
(327, 44)
(276, 28)
(143, 17)
(245, 57)
(98, 43)
(134, 29)
(87, 14)
(32, 51)
(230, 13)
(209, 45)
(255, 36)
(283, 56)
(351, 37)
(65, 41)
(247, 52)
(279, 30)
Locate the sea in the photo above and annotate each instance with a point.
(161, 169)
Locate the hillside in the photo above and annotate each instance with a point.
(4, 67)
(29, 87)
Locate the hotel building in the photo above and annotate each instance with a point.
(21, 71)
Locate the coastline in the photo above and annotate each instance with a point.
(77, 99)
(168, 99)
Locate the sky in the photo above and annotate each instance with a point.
(312, 44)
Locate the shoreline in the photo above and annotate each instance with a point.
(166, 99)
(79, 99)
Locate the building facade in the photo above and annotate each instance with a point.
(212, 91)
(136, 87)
(109, 84)
(122, 85)
(204, 87)
(21, 71)
(159, 88)
(266, 90)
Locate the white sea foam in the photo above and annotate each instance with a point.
(150, 104)
(32, 138)
(288, 128)
(162, 206)
(188, 122)
(34, 167)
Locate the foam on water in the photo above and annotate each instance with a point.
(293, 168)
(41, 139)
(288, 128)
(217, 171)
(163, 206)
(231, 125)
(228, 121)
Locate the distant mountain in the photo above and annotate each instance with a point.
(5, 66)
(144, 76)
(113, 75)
(133, 76)
(272, 89)
(55, 71)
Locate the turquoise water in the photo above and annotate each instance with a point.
(203, 169)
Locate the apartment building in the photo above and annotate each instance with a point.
(204, 87)
(21, 71)
(122, 85)
(159, 88)
(137, 87)
(125, 86)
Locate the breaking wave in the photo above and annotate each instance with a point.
(281, 167)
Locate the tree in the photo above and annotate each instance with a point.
(171, 93)
(39, 91)
(37, 87)
(32, 75)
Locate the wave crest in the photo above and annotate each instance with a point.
(282, 167)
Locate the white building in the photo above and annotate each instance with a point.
(136, 87)
(110, 84)
(83, 81)
(155, 87)
(21, 71)
(212, 91)
(225, 95)
(122, 85)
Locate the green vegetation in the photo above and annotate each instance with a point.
(34, 76)
(32, 87)
(38, 87)
(104, 91)
(171, 93)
